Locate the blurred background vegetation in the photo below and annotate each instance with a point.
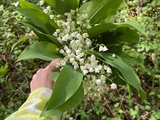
(99, 103)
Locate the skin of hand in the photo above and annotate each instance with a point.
(42, 77)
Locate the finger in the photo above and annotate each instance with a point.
(40, 71)
(52, 65)
(31, 86)
(34, 77)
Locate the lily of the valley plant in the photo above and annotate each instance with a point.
(89, 44)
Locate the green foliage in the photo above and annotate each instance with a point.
(40, 34)
(126, 71)
(71, 92)
(146, 53)
(120, 33)
(3, 70)
(145, 57)
(63, 6)
(39, 18)
(98, 103)
(100, 10)
(41, 50)
(115, 34)
(14, 87)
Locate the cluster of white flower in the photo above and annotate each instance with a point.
(77, 44)
(47, 9)
(72, 34)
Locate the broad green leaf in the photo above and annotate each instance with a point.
(42, 36)
(54, 75)
(23, 39)
(63, 6)
(51, 3)
(29, 23)
(99, 29)
(40, 19)
(72, 102)
(134, 25)
(119, 32)
(127, 72)
(114, 33)
(25, 4)
(67, 84)
(41, 50)
(121, 72)
(127, 35)
(126, 58)
(115, 49)
(99, 10)
(116, 77)
(120, 36)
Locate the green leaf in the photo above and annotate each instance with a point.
(114, 33)
(63, 6)
(143, 94)
(23, 39)
(117, 33)
(127, 35)
(29, 23)
(51, 3)
(3, 70)
(121, 72)
(96, 30)
(54, 75)
(120, 36)
(116, 77)
(99, 10)
(42, 36)
(66, 86)
(130, 89)
(37, 16)
(69, 104)
(132, 25)
(115, 49)
(25, 4)
(157, 76)
(40, 19)
(41, 50)
(127, 72)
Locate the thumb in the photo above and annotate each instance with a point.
(52, 65)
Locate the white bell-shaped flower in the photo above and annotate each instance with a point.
(109, 70)
(113, 86)
(98, 81)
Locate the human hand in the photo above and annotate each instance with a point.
(42, 77)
